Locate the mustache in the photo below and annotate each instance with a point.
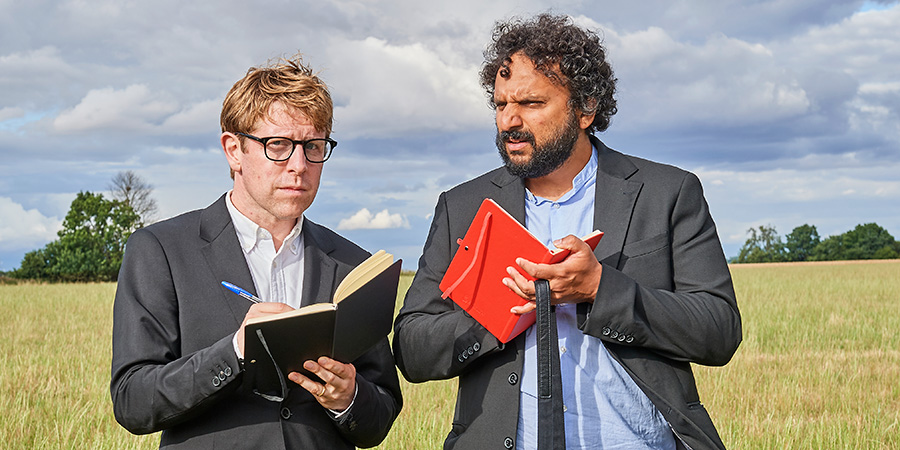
(515, 135)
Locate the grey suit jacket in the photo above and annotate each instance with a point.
(665, 301)
(174, 367)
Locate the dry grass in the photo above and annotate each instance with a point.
(819, 367)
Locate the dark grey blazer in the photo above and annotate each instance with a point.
(665, 301)
(173, 364)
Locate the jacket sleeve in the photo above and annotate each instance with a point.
(378, 399)
(154, 386)
(433, 338)
(671, 293)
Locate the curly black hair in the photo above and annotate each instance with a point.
(550, 42)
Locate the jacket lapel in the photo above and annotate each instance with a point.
(614, 202)
(224, 257)
(319, 269)
(510, 194)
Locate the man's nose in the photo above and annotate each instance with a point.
(297, 162)
(509, 118)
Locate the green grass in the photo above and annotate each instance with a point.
(819, 367)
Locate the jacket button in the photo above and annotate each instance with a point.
(222, 375)
(228, 371)
(629, 339)
(621, 338)
(460, 358)
(614, 334)
(285, 413)
(508, 443)
(606, 331)
(216, 381)
(513, 378)
(476, 346)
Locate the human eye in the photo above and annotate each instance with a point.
(279, 147)
(315, 148)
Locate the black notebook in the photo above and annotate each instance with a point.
(360, 315)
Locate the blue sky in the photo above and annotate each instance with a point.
(786, 110)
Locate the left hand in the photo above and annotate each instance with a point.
(340, 382)
(572, 280)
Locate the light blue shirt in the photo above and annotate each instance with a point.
(604, 408)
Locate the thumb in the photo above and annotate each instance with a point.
(570, 243)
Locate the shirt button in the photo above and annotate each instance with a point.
(562, 349)
(556, 206)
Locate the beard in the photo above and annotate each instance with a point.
(545, 158)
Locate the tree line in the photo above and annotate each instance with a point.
(866, 241)
(92, 239)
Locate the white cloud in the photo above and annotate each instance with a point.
(194, 118)
(11, 113)
(364, 219)
(25, 229)
(719, 81)
(135, 108)
(389, 90)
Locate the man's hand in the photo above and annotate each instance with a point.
(572, 280)
(340, 382)
(259, 310)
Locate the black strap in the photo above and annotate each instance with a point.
(551, 424)
(284, 388)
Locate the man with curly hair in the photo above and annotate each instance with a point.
(178, 334)
(632, 316)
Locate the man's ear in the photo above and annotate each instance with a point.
(231, 145)
(585, 120)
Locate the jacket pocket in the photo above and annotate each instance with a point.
(646, 246)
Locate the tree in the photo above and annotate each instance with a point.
(829, 249)
(90, 245)
(801, 242)
(130, 189)
(866, 241)
(764, 245)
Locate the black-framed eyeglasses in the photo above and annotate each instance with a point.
(279, 148)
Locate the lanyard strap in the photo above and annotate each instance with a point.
(551, 423)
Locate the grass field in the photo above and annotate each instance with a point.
(819, 367)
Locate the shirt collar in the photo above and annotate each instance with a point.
(249, 233)
(584, 178)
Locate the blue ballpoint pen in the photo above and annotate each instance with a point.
(241, 292)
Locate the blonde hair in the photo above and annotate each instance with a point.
(285, 80)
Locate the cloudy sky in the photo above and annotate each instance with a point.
(787, 110)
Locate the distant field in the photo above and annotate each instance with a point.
(819, 367)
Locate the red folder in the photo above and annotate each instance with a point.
(474, 278)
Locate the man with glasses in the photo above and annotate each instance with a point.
(178, 337)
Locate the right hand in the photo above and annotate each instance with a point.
(260, 310)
